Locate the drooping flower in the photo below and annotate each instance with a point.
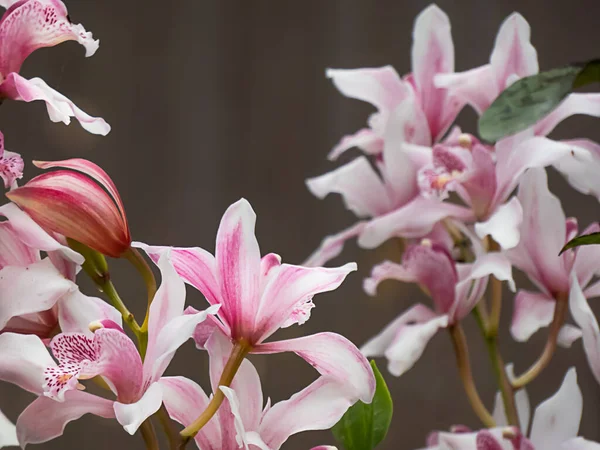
(243, 421)
(554, 426)
(454, 288)
(108, 353)
(80, 202)
(38, 295)
(11, 166)
(26, 26)
(260, 295)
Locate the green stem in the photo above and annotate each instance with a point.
(139, 262)
(506, 389)
(109, 289)
(238, 353)
(167, 426)
(149, 435)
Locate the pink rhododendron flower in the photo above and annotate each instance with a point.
(11, 166)
(454, 288)
(108, 353)
(243, 421)
(260, 295)
(26, 26)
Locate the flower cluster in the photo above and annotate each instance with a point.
(447, 195)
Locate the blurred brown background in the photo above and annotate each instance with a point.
(213, 100)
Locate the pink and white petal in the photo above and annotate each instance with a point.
(487, 441)
(532, 311)
(31, 289)
(238, 424)
(365, 139)
(238, 264)
(579, 443)
(388, 270)
(475, 87)
(331, 246)
(319, 406)
(11, 167)
(567, 335)
(521, 403)
(361, 188)
(204, 329)
(586, 320)
(557, 418)
(576, 103)
(503, 225)
(23, 359)
(587, 257)
(45, 419)
(13, 252)
(76, 311)
(131, 415)
(35, 24)
(580, 169)
(185, 401)
(513, 53)
(414, 220)
(380, 86)
(8, 3)
(33, 235)
(462, 441)
(287, 292)
(8, 432)
(60, 108)
(331, 355)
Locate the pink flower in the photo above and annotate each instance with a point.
(454, 288)
(243, 421)
(554, 426)
(26, 26)
(8, 432)
(11, 166)
(108, 353)
(38, 295)
(258, 296)
(81, 203)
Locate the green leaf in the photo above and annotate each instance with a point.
(530, 99)
(364, 426)
(587, 239)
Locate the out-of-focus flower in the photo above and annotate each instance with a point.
(108, 353)
(554, 426)
(243, 420)
(81, 203)
(38, 295)
(11, 166)
(454, 288)
(260, 295)
(26, 26)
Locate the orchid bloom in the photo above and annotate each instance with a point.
(26, 26)
(38, 295)
(8, 432)
(554, 426)
(108, 353)
(11, 166)
(260, 295)
(243, 421)
(454, 288)
(544, 232)
(80, 201)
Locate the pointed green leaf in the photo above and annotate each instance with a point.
(530, 99)
(587, 239)
(364, 426)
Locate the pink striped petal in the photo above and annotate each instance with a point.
(185, 401)
(317, 407)
(131, 415)
(333, 356)
(475, 87)
(388, 270)
(366, 139)
(11, 165)
(332, 246)
(532, 311)
(76, 311)
(23, 359)
(45, 419)
(13, 251)
(60, 108)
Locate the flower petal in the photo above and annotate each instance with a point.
(557, 419)
(11, 165)
(131, 415)
(288, 292)
(331, 246)
(60, 108)
(576, 103)
(35, 24)
(317, 407)
(503, 225)
(580, 444)
(532, 311)
(13, 252)
(8, 432)
(361, 188)
(365, 139)
(521, 403)
(580, 170)
(76, 311)
(476, 87)
(332, 355)
(185, 401)
(45, 419)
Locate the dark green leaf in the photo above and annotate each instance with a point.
(530, 99)
(364, 426)
(587, 239)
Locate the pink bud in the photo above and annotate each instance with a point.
(81, 203)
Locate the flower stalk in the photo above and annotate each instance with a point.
(137, 260)
(149, 435)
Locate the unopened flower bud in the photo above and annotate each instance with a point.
(81, 203)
